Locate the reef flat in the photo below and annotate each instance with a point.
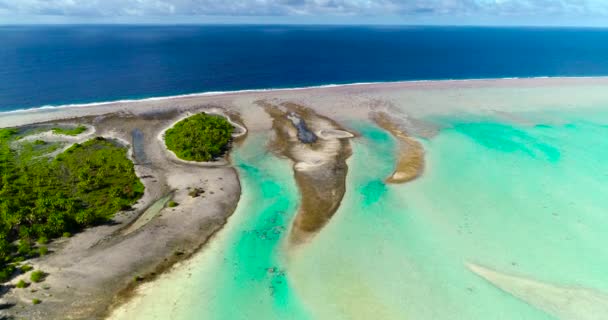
(445, 200)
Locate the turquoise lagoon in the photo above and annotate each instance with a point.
(527, 202)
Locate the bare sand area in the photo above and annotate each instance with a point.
(410, 162)
(318, 148)
(341, 102)
(98, 269)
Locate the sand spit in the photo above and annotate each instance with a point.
(100, 267)
(319, 147)
(565, 303)
(410, 162)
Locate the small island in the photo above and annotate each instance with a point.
(98, 204)
(45, 195)
(333, 180)
(202, 137)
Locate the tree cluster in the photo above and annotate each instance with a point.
(45, 198)
(201, 137)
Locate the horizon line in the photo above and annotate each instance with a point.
(233, 24)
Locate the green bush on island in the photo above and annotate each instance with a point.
(172, 204)
(21, 284)
(70, 131)
(201, 137)
(36, 301)
(43, 250)
(37, 276)
(44, 198)
(25, 268)
(43, 240)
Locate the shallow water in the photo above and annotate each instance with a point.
(240, 273)
(527, 202)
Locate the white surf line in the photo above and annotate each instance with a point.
(220, 93)
(563, 302)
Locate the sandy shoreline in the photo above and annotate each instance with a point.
(96, 268)
(188, 227)
(248, 91)
(368, 90)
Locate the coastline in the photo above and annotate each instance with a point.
(341, 103)
(100, 266)
(262, 90)
(182, 102)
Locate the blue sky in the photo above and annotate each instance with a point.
(406, 12)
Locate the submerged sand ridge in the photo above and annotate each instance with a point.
(566, 303)
(410, 160)
(319, 148)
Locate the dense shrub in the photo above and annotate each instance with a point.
(42, 198)
(26, 267)
(201, 137)
(6, 272)
(37, 276)
(21, 284)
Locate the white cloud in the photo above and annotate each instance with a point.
(114, 8)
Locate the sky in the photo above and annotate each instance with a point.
(394, 12)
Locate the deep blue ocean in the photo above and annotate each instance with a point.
(55, 65)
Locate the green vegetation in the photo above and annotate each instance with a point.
(66, 234)
(27, 151)
(172, 204)
(22, 284)
(25, 268)
(37, 276)
(201, 137)
(42, 198)
(43, 250)
(70, 131)
(36, 301)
